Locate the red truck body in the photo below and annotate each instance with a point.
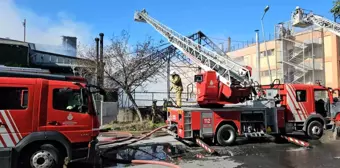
(285, 108)
(35, 116)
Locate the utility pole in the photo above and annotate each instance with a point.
(265, 43)
(24, 24)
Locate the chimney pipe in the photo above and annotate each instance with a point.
(258, 56)
(229, 44)
(101, 38)
(97, 61)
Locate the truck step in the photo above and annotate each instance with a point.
(254, 134)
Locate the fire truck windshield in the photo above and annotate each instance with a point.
(67, 99)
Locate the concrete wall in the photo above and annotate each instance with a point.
(107, 111)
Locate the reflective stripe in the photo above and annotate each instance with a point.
(15, 125)
(300, 104)
(9, 125)
(292, 105)
(5, 136)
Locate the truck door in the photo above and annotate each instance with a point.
(301, 101)
(66, 115)
(16, 111)
(321, 102)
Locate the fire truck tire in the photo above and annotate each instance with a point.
(315, 130)
(226, 135)
(45, 155)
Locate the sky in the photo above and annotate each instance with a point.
(48, 20)
(85, 19)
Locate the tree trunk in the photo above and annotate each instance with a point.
(153, 110)
(134, 105)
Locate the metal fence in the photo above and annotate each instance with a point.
(144, 99)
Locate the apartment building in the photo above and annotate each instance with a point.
(300, 56)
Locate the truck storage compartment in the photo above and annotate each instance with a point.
(253, 121)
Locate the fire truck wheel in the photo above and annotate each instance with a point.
(315, 130)
(226, 135)
(44, 156)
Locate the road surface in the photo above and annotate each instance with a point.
(266, 155)
(252, 155)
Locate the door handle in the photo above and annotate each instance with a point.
(53, 123)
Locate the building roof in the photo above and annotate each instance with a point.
(13, 42)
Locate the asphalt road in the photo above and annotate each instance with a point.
(267, 155)
(255, 155)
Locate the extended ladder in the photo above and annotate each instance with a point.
(307, 19)
(226, 69)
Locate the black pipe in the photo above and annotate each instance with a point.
(101, 41)
(97, 61)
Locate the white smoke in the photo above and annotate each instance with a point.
(39, 29)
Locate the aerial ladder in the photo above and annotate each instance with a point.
(303, 18)
(229, 72)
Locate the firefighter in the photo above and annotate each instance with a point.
(176, 82)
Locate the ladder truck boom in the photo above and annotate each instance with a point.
(303, 19)
(227, 70)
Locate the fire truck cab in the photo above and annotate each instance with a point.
(45, 119)
(282, 109)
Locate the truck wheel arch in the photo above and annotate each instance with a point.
(223, 122)
(49, 136)
(311, 118)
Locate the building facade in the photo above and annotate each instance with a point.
(295, 56)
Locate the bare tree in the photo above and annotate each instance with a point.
(128, 66)
(86, 66)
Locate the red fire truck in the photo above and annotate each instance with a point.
(225, 85)
(283, 109)
(45, 118)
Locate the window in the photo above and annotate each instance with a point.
(320, 94)
(239, 59)
(67, 99)
(269, 53)
(265, 73)
(301, 95)
(13, 98)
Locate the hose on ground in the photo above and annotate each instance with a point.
(154, 163)
(122, 161)
(124, 136)
(103, 153)
(129, 142)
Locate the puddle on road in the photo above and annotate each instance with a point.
(297, 149)
(159, 152)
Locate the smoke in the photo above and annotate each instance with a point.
(40, 29)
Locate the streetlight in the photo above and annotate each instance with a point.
(265, 44)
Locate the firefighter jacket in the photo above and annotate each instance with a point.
(176, 83)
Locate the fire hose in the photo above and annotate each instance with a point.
(128, 137)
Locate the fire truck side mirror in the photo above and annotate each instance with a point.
(198, 78)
